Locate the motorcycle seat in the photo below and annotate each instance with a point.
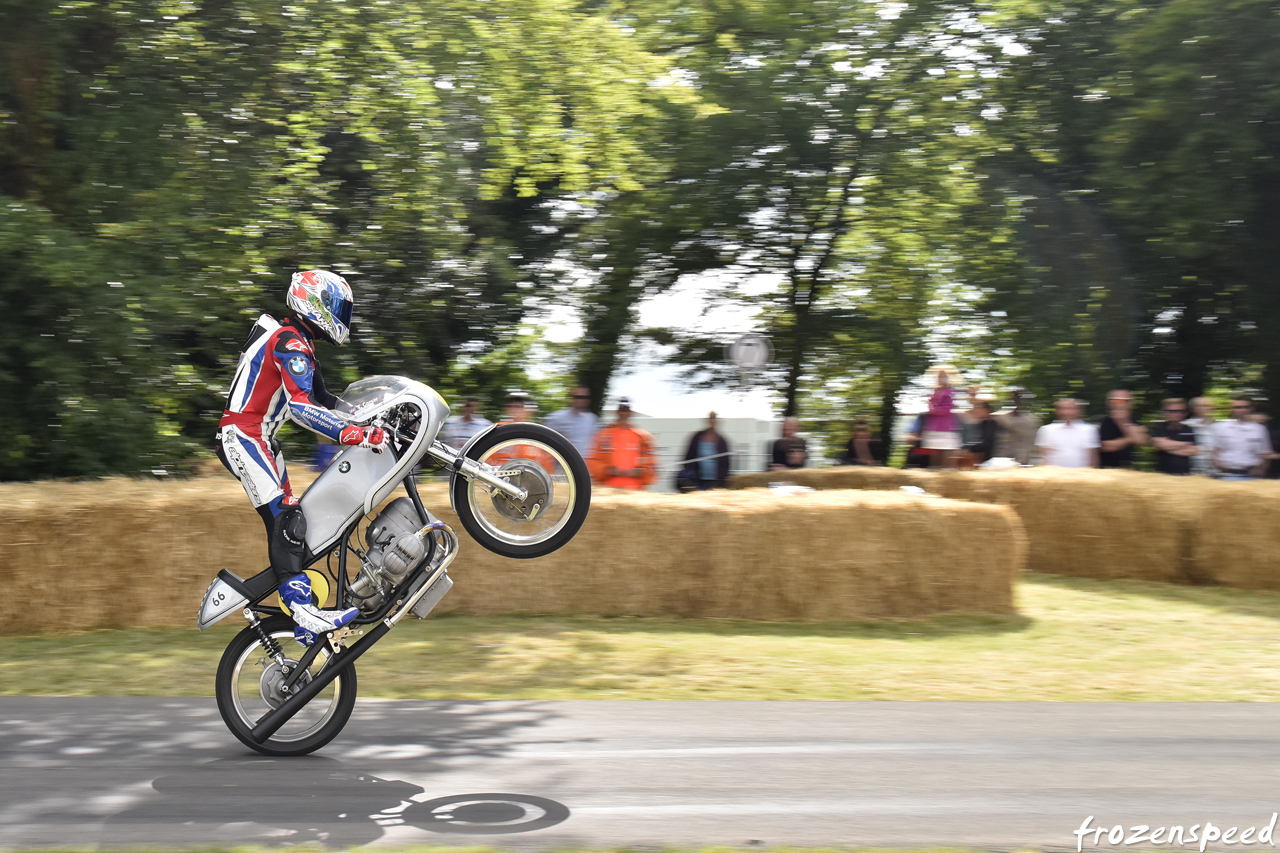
(252, 588)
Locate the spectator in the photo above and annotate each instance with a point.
(326, 452)
(862, 449)
(518, 410)
(971, 420)
(459, 429)
(711, 452)
(577, 422)
(982, 445)
(1241, 446)
(1068, 442)
(1117, 432)
(941, 427)
(622, 456)
(1202, 423)
(1016, 438)
(917, 456)
(1174, 439)
(1273, 433)
(791, 450)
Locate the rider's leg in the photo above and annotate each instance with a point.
(287, 548)
(260, 472)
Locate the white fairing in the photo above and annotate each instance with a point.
(219, 600)
(359, 479)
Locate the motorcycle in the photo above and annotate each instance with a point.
(519, 489)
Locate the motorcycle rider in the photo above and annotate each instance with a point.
(279, 378)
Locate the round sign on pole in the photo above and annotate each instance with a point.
(750, 352)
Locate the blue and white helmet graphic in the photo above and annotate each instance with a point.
(323, 299)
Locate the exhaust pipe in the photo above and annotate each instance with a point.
(273, 720)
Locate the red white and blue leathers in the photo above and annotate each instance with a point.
(278, 379)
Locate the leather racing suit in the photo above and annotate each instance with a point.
(278, 379)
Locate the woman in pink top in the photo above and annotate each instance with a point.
(941, 432)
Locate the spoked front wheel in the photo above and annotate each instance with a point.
(250, 684)
(544, 464)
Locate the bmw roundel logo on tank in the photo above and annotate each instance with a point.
(344, 466)
(298, 365)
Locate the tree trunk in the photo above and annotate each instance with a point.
(608, 316)
(890, 386)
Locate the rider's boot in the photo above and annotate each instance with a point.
(285, 548)
(295, 593)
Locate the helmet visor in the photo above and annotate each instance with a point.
(339, 307)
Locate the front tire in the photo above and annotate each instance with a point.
(544, 463)
(247, 688)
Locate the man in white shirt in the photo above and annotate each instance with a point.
(576, 423)
(1241, 446)
(1068, 442)
(459, 429)
(1202, 423)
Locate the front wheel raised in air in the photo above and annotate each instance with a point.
(546, 465)
(249, 685)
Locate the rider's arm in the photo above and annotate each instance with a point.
(318, 392)
(298, 370)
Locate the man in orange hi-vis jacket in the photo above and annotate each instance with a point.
(622, 456)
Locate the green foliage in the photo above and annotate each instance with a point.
(1143, 146)
(198, 152)
(1065, 195)
(837, 192)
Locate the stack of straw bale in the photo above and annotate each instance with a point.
(758, 555)
(134, 553)
(1086, 522)
(120, 552)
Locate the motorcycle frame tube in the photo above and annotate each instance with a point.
(271, 723)
(411, 486)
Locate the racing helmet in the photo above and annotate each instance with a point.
(323, 300)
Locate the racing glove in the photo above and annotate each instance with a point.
(373, 438)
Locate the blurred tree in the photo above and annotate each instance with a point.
(199, 152)
(1143, 148)
(833, 190)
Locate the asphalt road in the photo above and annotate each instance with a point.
(536, 775)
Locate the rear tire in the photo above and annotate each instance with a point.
(549, 461)
(244, 686)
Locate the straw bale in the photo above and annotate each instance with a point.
(758, 555)
(120, 552)
(142, 553)
(846, 477)
(1239, 536)
(1086, 522)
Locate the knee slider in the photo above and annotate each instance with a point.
(287, 546)
(293, 526)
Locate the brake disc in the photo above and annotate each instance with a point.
(534, 479)
(271, 685)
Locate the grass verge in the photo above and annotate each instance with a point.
(1074, 639)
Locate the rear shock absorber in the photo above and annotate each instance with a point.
(268, 642)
